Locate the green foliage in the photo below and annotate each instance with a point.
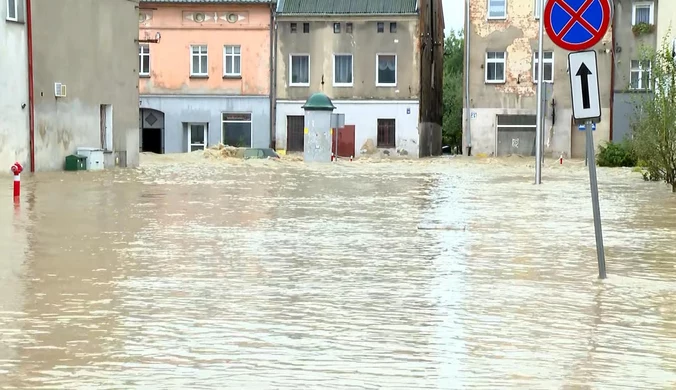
(619, 154)
(453, 89)
(643, 28)
(654, 122)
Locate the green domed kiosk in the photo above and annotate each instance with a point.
(317, 138)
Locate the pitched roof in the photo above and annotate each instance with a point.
(344, 7)
(211, 1)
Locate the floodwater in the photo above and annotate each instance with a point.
(440, 274)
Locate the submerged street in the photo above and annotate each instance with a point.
(433, 274)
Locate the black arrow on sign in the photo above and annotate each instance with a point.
(584, 74)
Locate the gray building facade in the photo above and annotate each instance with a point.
(85, 80)
(365, 56)
(634, 35)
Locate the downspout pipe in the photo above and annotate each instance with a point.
(31, 95)
(612, 73)
(468, 126)
(273, 74)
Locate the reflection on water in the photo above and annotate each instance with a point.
(285, 276)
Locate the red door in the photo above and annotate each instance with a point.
(345, 141)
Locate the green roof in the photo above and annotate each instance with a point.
(318, 102)
(210, 1)
(345, 7)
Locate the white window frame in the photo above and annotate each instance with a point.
(642, 4)
(545, 62)
(16, 11)
(488, 11)
(234, 56)
(309, 67)
(141, 55)
(250, 122)
(206, 134)
(203, 56)
(396, 70)
(502, 60)
(351, 83)
(537, 12)
(641, 72)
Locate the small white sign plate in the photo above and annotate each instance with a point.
(584, 85)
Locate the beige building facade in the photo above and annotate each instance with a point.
(503, 41)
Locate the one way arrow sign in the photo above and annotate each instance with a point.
(584, 85)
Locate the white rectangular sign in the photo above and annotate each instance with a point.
(584, 85)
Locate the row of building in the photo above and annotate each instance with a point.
(173, 76)
(238, 72)
(500, 103)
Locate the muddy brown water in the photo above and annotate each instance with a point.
(277, 275)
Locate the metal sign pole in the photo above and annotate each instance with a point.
(538, 117)
(600, 252)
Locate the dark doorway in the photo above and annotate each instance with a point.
(295, 126)
(152, 141)
(152, 131)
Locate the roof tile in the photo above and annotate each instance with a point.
(333, 7)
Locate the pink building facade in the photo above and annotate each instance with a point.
(205, 74)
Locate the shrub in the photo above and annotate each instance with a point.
(619, 154)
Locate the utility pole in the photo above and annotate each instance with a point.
(539, 129)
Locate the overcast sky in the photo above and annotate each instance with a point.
(454, 13)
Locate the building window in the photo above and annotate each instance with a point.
(232, 59)
(13, 10)
(495, 67)
(393, 27)
(294, 27)
(348, 28)
(299, 70)
(537, 12)
(236, 129)
(197, 136)
(336, 28)
(640, 74)
(198, 65)
(306, 28)
(380, 27)
(548, 64)
(643, 12)
(342, 70)
(497, 9)
(386, 72)
(386, 133)
(144, 59)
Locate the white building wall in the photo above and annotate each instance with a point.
(364, 115)
(14, 138)
(666, 16)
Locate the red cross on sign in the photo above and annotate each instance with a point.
(576, 24)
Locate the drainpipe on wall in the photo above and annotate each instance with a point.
(31, 96)
(468, 135)
(612, 75)
(273, 75)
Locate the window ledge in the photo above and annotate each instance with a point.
(17, 21)
(199, 76)
(144, 76)
(546, 82)
(495, 82)
(497, 18)
(386, 85)
(232, 77)
(299, 85)
(339, 85)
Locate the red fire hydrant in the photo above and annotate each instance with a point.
(16, 170)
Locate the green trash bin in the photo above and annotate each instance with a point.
(76, 162)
